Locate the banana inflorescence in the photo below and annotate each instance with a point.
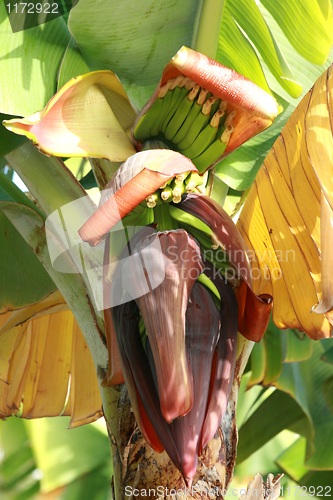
(177, 348)
(190, 120)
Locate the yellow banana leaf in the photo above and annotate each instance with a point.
(45, 366)
(287, 219)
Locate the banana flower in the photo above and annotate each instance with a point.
(175, 342)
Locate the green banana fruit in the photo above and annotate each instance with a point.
(210, 155)
(198, 118)
(178, 95)
(193, 181)
(156, 124)
(143, 128)
(150, 124)
(181, 113)
(209, 285)
(184, 130)
(167, 100)
(185, 218)
(142, 218)
(205, 137)
(166, 194)
(200, 122)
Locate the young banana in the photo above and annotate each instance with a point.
(205, 137)
(181, 113)
(143, 127)
(208, 108)
(185, 128)
(164, 109)
(205, 236)
(185, 218)
(178, 94)
(211, 154)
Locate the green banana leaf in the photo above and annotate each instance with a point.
(29, 63)
(23, 280)
(245, 17)
(45, 457)
(139, 38)
(298, 347)
(328, 356)
(63, 455)
(305, 382)
(307, 25)
(275, 413)
(314, 483)
(18, 479)
(303, 371)
(269, 59)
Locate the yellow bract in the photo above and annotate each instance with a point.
(282, 220)
(89, 117)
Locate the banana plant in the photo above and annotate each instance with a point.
(199, 113)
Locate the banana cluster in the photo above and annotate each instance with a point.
(190, 120)
(173, 190)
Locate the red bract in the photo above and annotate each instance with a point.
(228, 85)
(163, 312)
(185, 329)
(138, 177)
(253, 311)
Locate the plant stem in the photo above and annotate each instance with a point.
(103, 170)
(47, 178)
(206, 37)
(14, 192)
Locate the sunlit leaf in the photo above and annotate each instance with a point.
(305, 383)
(29, 63)
(239, 169)
(64, 455)
(276, 413)
(23, 279)
(307, 25)
(247, 16)
(135, 46)
(291, 460)
(72, 65)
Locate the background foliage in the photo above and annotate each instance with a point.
(285, 412)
